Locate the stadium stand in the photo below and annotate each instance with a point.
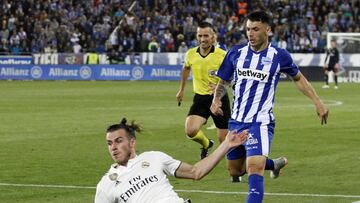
(69, 26)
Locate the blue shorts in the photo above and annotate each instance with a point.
(259, 139)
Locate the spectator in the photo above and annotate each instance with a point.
(153, 46)
(242, 8)
(60, 18)
(321, 44)
(116, 57)
(4, 49)
(304, 43)
(182, 50)
(282, 43)
(14, 39)
(92, 58)
(22, 34)
(76, 48)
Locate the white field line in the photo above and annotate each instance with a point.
(46, 186)
(326, 102)
(189, 191)
(271, 194)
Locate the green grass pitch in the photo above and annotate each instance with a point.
(52, 133)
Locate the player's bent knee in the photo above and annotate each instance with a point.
(191, 132)
(257, 168)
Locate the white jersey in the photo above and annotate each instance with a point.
(143, 180)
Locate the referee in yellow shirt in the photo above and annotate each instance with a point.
(204, 61)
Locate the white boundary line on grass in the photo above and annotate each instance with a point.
(271, 194)
(326, 102)
(333, 102)
(190, 191)
(47, 186)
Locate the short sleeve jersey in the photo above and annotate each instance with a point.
(255, 77)
(204, 69)
(332, 56)
(143, 180)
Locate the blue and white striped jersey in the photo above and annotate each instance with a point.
(255, 77)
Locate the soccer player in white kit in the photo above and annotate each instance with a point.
(143, 178)
(254, 69)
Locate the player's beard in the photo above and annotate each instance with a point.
(258, 43)
(123, 156)
(122, 159)
(205, 46)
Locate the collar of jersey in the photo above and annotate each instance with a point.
(258, 52)
(212, 50)
(116, 165)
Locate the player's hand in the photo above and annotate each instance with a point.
(179, 96)
(237, 138)
(336, 67)
(215, 107)
(322, 112)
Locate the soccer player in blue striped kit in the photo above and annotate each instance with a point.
(254, 69)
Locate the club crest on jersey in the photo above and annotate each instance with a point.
(265, 61)
(145, 164)
(254, 74)
(113, 176)
(212, 73)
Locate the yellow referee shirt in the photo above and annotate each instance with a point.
(204, 69)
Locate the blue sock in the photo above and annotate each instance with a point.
(256, 188)
(269, 165)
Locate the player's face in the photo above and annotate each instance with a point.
(205, 37)
(257, 33)
(120, 146)
(333, 44)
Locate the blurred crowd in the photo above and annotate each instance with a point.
(76, 26)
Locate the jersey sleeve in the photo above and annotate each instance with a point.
(186, 61)
(226, 69)
(286, 64)
(101, 196)
(170, 165)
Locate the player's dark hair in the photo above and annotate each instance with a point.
(205, 24)
(129, 128)
(261, 16)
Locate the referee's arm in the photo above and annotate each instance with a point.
(184, 76)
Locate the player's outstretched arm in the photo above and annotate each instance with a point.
(204, 166)
(305, 87)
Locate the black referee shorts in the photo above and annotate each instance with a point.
(201, 107)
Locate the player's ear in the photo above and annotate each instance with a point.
(268, 29)
(132, 142)
(214, 37)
